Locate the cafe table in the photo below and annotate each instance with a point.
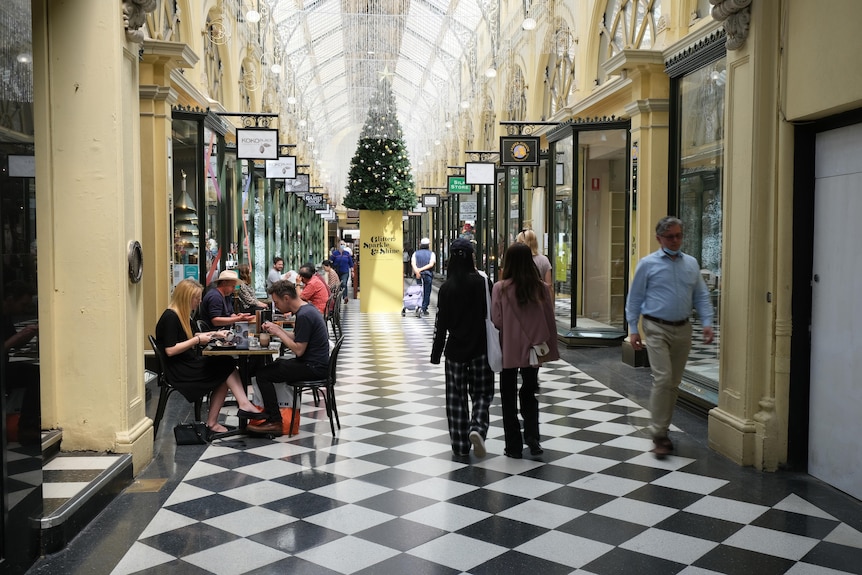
(243, 355)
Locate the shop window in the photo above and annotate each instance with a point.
(699, 104)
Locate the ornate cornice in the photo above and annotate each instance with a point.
(703, 51)
(736, 16)
(134, 16)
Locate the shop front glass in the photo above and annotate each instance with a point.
(186, 215)
(590, 226)
(20, 432)
(201, 175)
(701, 159)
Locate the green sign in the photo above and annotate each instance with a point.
(458, 185)
(514, 182)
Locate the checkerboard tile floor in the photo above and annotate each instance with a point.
(386, 495)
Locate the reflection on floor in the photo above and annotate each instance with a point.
(702, 361)
(386, 495)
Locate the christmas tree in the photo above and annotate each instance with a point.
(380, 177)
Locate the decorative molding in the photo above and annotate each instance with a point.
(135, 16)
(705, 50)
(647, 106)
(631, 60)
(175, 54)
(736, 16)
(566, 127)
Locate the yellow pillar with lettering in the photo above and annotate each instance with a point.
(381, 278)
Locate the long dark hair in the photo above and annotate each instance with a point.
(519, 267)
(460, 265)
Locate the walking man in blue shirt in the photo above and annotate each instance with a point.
(667, 284)
(342, 261)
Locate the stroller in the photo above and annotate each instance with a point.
(413, 298)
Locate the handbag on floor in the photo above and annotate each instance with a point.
(194, 433)
(492, 335)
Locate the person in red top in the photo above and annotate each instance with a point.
(314, 291)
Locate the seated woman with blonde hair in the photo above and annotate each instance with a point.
(196, 375)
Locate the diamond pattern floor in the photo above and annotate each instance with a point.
(386, 495)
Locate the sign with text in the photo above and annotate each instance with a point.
(283, 167)
(479, 173)
(519, 151)
(22, 166)
(457, 185)
(299, 184)
(431, 200)
(256, 144)
(468, 210)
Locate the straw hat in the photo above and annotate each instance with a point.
(228, 276)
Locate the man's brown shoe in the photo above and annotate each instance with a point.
(267, 428)
(662, 447)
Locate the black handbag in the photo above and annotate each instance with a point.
(194, 433)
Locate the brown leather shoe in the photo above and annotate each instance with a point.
(267, 428)
(662, 447)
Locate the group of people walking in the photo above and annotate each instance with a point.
(666, 286)
(522, 309)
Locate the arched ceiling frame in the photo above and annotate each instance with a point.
(336, 50)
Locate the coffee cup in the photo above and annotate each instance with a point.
(264, 339)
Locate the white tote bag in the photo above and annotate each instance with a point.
(492, 335)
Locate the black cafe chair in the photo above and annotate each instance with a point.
(166, 387)
(325, 386)
(331, 312)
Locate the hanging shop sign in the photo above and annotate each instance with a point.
(468, 211)
(479, 173)
(256, 144)
(519, 151)
(457, 185)
(282, 168)
(430, 200)
(299, 184)
(314, 200)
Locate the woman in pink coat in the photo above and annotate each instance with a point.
(523, 312)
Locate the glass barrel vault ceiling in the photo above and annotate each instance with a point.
(336, 52)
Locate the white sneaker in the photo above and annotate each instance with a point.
(478, 444)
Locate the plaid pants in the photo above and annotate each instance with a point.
(473, 378)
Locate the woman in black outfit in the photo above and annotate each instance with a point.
(461, 315)
(196, 375)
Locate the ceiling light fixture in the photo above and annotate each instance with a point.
(24, 58)
(529, 24)
(276, 69)
(252, 16)
(491, 73)
(291, 100)
(465, 104)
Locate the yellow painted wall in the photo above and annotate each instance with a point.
(822, 44)
(381, 280)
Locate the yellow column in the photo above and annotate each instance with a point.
(156, 99)
(745, 425)
(88, 202)
(380, 247)
(649, 113)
